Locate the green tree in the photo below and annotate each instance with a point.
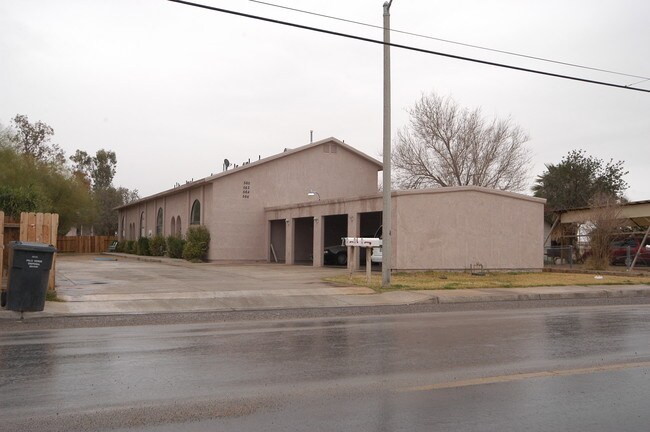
(82, 165)
(33, 185)
(33, 140)
(5, 137)
(103, 168)
(128, 195)
(99, 169)
(34, 177)
(578, 179)
(13, 201)
(106, 199)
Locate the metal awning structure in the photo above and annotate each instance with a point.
(634, 213)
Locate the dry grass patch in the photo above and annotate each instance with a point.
(457, 280)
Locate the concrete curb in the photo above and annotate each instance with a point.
(178, 261)
(392, 298)
(152, 259)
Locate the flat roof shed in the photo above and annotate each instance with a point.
(453, 228)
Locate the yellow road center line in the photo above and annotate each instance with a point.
(526, 376)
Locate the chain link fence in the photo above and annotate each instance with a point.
(569, 256)
(560, 256)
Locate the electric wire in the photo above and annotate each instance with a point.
(637, 83)
(452, 42)
(407, 47)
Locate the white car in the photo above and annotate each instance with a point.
(376, 251)
(376, 255)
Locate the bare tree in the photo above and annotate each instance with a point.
(605, 223)
(446, 145)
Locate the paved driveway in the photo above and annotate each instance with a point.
(96, 285)
(103, 284)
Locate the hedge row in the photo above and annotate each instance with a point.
(194, 248)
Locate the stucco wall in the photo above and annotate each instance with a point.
(239, 228)
(454, 228)
(174, 204)
(448, 228)
(233, 203)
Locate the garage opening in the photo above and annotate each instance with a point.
(369, 224)
(303, 240)
(335, 227)
(277, 249)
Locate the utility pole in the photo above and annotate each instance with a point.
(386, 215)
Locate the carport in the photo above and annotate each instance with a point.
(369, 224)
(277, 240)
(303, 240)
(309, 228)
(334, 228)
(453, 228)
(635, 214)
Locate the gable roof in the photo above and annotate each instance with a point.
(286, 153)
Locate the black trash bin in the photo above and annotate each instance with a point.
(29, 267)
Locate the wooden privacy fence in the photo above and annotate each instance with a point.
(84, 244)
(33, 227)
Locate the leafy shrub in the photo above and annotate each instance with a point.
(158, 246)
(121, 246)
(175, 247)
(130, 247)
(13, 201)
(142, 247)
(198, 242)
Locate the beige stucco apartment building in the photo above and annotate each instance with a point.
(262, 212)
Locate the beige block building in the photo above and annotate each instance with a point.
(262, 212)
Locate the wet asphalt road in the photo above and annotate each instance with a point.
(556, 368)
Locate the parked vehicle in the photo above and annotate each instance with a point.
(376, 255)
(377, 251)
(338, 255)
(618, 253)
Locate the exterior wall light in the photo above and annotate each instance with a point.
(312, 193)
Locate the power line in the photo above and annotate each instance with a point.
(406, 47)
(454, 42)
(639, 82)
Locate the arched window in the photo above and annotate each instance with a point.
(173, 226)
(159, 222)
(123, 229)
(142, 233)
(195, 216)
(179, 231)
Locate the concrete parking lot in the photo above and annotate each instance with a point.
(115, 284)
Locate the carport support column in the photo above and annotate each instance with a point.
(319, 234)
(288, 247)
(645, 237)
(354, 230)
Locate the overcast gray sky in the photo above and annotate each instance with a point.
(174, 90)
